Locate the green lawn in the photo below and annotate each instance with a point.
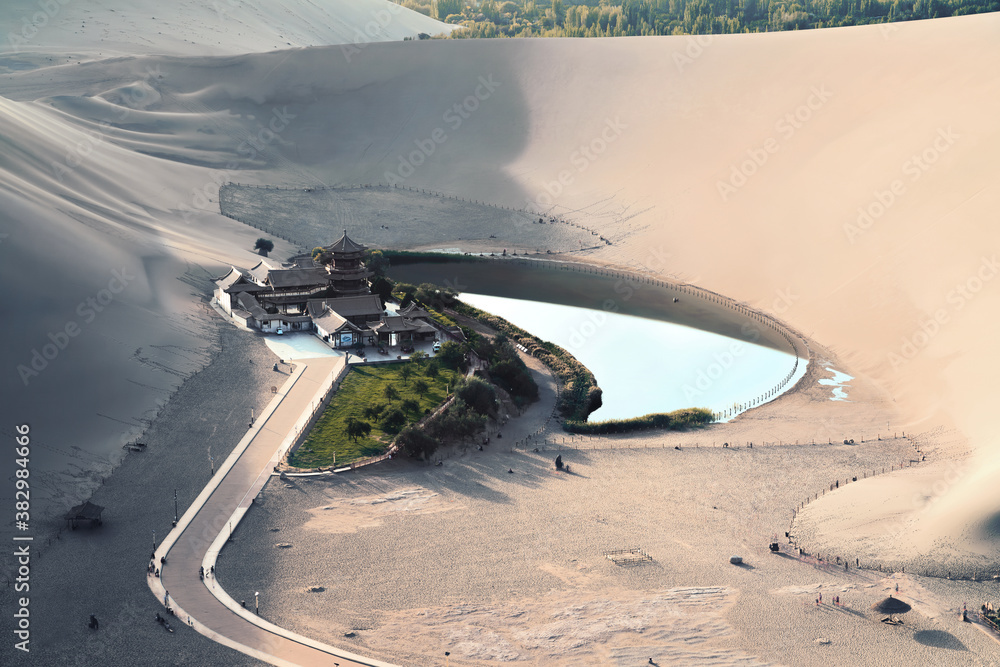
(364, 386)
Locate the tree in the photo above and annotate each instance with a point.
(558, 12)
(264, 246)
(373, 410)
(410, 405)
(420, 386)
(390, 393)
(405, 372)
(383, 287)
(393, 420)
(459, 420)
(477, 394)
(451, 355)
(444, 8)
(513, 375)
(357, 428)
(418, 358)
(433, 368)
(416, 442)
(377, 263)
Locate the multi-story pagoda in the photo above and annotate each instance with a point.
(347, 274)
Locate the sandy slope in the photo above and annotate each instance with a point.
(639, 137)
(103, 28)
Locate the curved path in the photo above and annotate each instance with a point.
(207, 524)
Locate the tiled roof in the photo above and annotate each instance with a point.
(347, 306)
(331, 322)
(285, 278)
(250, 304)
(396, 324)
(260, 271)
(346, 245)
(414, 312)
(230, 279)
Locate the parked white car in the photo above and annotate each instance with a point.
(436, 347)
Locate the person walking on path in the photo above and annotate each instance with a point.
(166, 595)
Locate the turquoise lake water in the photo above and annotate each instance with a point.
(646, 365)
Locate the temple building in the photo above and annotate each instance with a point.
(331, 298)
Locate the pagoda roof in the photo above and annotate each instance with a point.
(345, 245)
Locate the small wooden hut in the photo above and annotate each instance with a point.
(88, 512)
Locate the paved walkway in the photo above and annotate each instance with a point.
(204, 529)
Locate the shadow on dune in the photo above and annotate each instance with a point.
(479, 477)
(840, 609)
(990, 528)
(939, 639)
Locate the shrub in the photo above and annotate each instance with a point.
(357, 428)
(678, 419)
(416, 442)
(393, 420)
(373, 410)
(579, 393)
(451, 355)
(478, 395)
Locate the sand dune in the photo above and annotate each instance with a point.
(106, 28)
(841, 179)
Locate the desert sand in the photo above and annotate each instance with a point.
(839, 180)
(408, 560)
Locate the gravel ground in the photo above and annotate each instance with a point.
(495, 567)
(102, 571)
(405, 561)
